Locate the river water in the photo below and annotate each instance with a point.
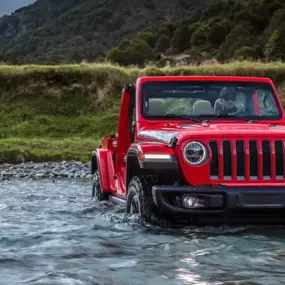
(52, 233)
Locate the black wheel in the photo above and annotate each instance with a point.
(96, 188)
(140, 201)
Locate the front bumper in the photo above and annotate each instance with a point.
(237, 204)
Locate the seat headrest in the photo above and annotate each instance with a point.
(202, 107)
(156, 107)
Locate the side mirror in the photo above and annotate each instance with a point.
(130, 88)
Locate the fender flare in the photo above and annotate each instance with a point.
(150, 158)
(101, 160)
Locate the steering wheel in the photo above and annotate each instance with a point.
(241, 112)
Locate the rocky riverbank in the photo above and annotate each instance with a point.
(64, 169)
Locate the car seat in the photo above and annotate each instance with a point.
(202, 107)
(156, 107)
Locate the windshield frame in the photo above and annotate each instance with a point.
(260, 84)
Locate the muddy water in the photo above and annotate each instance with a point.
(52, 233)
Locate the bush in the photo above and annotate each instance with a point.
(245, 53)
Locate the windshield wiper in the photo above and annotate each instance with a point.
(225, 116)
(177, 116)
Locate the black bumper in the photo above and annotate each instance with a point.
(245, 204)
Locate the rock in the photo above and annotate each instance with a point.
(51, 170)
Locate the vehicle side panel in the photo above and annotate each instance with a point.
(106, 169)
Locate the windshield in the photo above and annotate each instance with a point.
(208, 100)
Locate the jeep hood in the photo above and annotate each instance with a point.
(164, 133)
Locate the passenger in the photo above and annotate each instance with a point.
(226, 103)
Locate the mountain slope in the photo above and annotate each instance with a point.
(225, 30)
(52, 31)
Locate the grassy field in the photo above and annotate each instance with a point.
(61, 112)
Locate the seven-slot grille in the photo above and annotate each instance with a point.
(247, 160)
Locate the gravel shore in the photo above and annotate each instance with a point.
(64, 169)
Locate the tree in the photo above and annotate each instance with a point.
(136, 52)
(200, 37)
(162, 44)
(239, 36)
(274, 48)
(148, 37)
(277, 20)
(194, 27)
(164, 31)
(167, 28)
(139, 52)
(180, 40)
(217, 34)
(117, 55)
(216, 8)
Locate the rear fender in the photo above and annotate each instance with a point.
(150, 158)
(102, 161)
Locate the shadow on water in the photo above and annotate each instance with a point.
(53, 233)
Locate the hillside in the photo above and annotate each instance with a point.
(66, 31)
(225, 30)
(61, 112)
(136, 32)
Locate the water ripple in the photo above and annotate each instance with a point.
(53, 233)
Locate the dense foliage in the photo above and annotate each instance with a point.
(66, 31)
(139, 32)
(225, 30)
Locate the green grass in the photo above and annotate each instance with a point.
(17, 150)
(51, 138)
(61, 112)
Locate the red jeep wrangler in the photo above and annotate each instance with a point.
(196, 148)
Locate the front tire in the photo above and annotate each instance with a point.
(140, 201)
(96, 188)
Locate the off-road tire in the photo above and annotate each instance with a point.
(96, 188)
(140, 201)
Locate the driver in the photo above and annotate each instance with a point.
(226, 103)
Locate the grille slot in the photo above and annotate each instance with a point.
(253, 152)
(227, 153)
(262, 160)
(215, 160)
(240, 159)
(279, 150)
(266, 160)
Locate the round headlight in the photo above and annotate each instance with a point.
(195, 153)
